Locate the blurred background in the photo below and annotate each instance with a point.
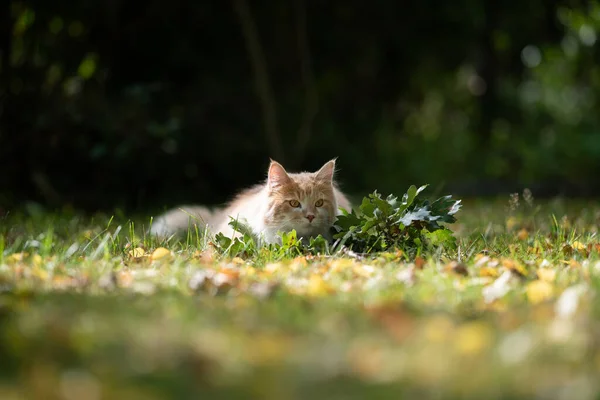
(113, 103)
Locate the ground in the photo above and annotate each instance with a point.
(92, 309)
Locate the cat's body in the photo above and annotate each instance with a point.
(307, 202)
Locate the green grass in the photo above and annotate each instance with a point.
(87, 313)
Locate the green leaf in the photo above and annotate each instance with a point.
(441, 237)
(381, 223)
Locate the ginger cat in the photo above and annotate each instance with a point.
(306, 201)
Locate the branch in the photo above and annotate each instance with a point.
(261, 77)
(311, 102)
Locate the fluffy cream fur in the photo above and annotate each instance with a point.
(306, 201)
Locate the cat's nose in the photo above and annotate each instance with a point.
(310, 217)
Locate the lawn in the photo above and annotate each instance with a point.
(90, 308)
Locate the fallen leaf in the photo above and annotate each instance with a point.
(498, 288)
(457, 268)
(159, 253)
(546, 274)
(137, 252)
(539, 291)
(37, 260)
(514, 265)
(567, 303)
(419, 262)
(487, 271)
(317, 286)
(16, 257)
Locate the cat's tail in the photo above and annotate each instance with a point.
(180, 219)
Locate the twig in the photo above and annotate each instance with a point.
(261, 77)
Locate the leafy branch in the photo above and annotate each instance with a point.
(409, 223)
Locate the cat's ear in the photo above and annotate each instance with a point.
(327, 170)
(277, 175)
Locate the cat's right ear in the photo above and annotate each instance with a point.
(277, 175)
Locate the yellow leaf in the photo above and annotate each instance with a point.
(487, 271)
(539, 291)
(15, 257)
(317, 286)
(571, 263)
(578, 246)
(472, 338)
(137, 252)
(37, 260)
(159, 253)
(514, 265)
(546, 274)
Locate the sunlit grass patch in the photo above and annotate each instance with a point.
(92, 305)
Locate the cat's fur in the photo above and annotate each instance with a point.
(268, 208)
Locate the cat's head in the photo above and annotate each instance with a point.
(303, 201)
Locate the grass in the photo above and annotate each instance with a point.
(90, 309)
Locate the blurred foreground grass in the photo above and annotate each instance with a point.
(92, 309)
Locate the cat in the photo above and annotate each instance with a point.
(307, 202)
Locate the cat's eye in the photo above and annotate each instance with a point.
(294, 203)
(319, 203)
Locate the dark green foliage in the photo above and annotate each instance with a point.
(92, 92)
(410, 223)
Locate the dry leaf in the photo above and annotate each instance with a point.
(514, 265)
(159, 253)
(539, 291)
(457, 268)
(136, 253)
(546, 274)
(487, 271)
(16, 257)
(317, 286)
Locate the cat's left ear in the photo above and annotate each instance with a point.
(327, 170)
